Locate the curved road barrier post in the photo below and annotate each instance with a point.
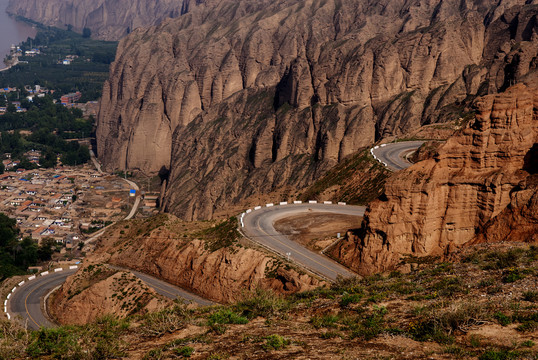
(27, 302)
(390, 155)
(258, 227)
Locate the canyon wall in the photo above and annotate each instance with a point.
(240, 98)
(480, 186)
(107, 19)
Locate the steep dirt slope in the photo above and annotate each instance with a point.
(107, 19)
(207, 260)
(244, 97)
(480, 183)
(96, 290)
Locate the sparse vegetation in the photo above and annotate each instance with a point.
(438, 303)
(275, 342)
(360, 177)
(221, 235)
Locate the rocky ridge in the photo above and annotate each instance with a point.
(107, 19)
(238, 99)
(221, 272)
(479, 187)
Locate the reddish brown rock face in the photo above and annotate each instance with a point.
(243, 97)
(443, 203)
(107, 19)
(222, 275)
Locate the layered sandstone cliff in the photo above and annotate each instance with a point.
(96, 290)
(240, 98)
(107, 19)
(221, 274)
(478, 187)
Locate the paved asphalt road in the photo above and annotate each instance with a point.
(137, 200)
(258, 226)
(391, 154)
(27, 300)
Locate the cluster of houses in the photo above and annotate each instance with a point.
(32, 52)
(70, 98)
(67, 100)
(33, 156)
(67, 60)
(65, 204)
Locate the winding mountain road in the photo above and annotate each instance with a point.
(259, 227)
(27, 302)
(393, 154)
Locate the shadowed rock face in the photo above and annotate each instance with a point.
(238, 98)
(478, 188)
(107, 19)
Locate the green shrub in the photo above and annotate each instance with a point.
(499, 355)
(485, 283)
(503, 319)
(371, 324)
(527, 343)
(531, 296)
(512, 275)
(185, 351)
(275, 342)
(329, 335)
(439, 324)
(350, 299)
(528, 326)
(166, 321)
(502, 260)
(350, 285)
(448, 286)
(324, 321)
(226, 316)
(265, 303)
(55, 342)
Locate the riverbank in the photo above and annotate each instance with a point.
(16, 62)
(13, 30)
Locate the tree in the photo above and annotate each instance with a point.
(48, 159)
(86, 32)
(46, 249)
(8, 231)
(26, 164)
(27, 253)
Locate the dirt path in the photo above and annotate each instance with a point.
(317, 231)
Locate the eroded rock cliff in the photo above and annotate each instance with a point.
(107, 19)
(479, 187)
(241, 98)
(162, 247)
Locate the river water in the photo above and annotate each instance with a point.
(12, 32)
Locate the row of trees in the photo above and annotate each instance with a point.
(50, 145)
(16, 256)
(44, 114)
